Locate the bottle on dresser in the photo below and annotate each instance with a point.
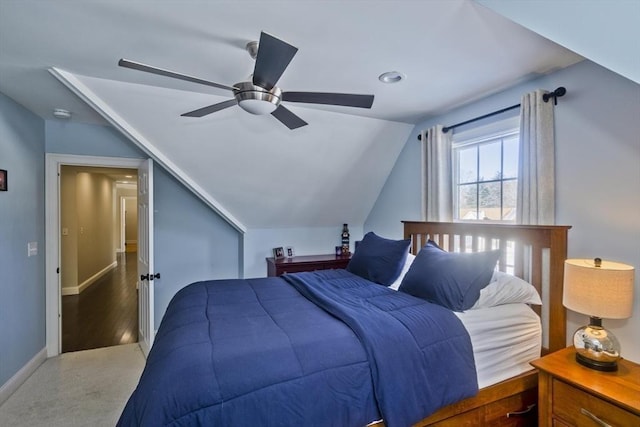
(345, 240)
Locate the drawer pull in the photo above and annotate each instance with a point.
(594, 418)
(522, 413)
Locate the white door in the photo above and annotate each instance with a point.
(145, 256)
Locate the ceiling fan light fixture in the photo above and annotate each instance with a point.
(391, 77)
(258, 106)
(256, 100)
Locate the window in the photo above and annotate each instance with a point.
(486, 173)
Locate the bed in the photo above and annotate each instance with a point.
(332, 348)
(539, 253)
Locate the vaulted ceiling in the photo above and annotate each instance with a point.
(253, 169)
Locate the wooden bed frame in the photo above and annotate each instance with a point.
(538, 257)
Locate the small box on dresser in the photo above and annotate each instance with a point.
(570, 394)
(296, 264)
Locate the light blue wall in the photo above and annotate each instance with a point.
(191, 242)
(22, 282)
(88, 140)
(400, 197)
(597, 173)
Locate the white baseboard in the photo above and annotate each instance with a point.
(75, 290)
(22, 375)
(69, 290)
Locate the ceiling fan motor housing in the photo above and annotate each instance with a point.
(255, 99)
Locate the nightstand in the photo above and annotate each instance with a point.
(277, 267)
(570, 394)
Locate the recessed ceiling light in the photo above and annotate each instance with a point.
(391, 77)
(61, 113)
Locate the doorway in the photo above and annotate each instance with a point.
(97, 257)
(123, 267)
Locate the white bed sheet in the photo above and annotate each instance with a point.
(505, 339)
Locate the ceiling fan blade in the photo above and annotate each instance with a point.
(287, 118)
(344, 99)
(200, 112)
(274, 55)
(167, 73)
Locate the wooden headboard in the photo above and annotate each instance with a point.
(535, 253)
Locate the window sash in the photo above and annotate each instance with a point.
(479, 181)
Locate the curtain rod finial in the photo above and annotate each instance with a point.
(561, 91)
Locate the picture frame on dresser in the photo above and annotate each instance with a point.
(290, 251)
(3, 180)
(278, 252)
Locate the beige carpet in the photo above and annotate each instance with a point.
(84, 388)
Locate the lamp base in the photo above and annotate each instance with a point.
(596, 347)
(596, 364)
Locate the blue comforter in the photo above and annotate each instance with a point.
(258, 352)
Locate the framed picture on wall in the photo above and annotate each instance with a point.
(3, 180)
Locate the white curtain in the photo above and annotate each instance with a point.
(536, 174)
(437, 177)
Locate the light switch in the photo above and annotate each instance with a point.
(32, 249)
(65, 231)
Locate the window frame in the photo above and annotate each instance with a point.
(500, 130)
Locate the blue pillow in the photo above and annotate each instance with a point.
(452, 280)
(378, 259)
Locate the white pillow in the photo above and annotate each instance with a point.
(507, 289)
(407, 263)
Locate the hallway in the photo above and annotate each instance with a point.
(106, 313)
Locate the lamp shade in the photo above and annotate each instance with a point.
(604, 291)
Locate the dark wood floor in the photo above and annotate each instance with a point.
(105, 313)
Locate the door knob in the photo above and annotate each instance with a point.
(154, 276)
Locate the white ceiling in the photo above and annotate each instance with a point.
(330, 172)
(451, 50)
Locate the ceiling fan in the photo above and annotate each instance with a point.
(261, 95)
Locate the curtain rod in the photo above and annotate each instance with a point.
(561, 91)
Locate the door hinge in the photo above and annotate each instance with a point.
(58, 270)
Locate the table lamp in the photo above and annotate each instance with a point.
(599, 289)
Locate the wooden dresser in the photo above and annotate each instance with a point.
(277, 267)
(570, 394)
